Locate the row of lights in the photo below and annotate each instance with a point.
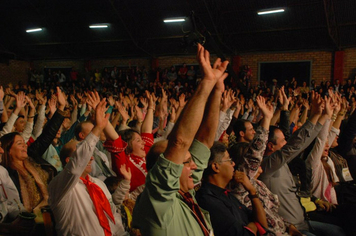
(97, 26)
(263, 12)
(169, 20)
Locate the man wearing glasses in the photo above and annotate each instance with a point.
(228, 215)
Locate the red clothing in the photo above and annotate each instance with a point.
(136, 164)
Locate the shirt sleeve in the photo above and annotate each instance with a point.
(69, 177)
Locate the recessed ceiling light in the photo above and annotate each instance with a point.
(173, 20)
(98, 26)
(33, 30)
(270, 11)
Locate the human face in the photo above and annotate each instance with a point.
(138, 145)
(335, 142)
(20, 124)
(186, 178)
(249, 133)
(280, 140)
(88, 168)
(18, 150)
(326, 149)
(66, 123)
(226, 167)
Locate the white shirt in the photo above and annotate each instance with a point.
(10, 204)
(69, 199)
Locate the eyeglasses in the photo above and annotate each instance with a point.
(230, 160)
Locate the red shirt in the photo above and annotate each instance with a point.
(136, 164)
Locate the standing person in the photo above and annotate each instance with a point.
(82, 204)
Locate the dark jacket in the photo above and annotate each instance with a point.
(37, 148)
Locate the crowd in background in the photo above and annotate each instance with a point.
(52, 127)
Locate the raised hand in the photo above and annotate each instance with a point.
(182, 100)
(61, 99)
(101, 119)
(210, 73)
(329, 106)
(266, 109)
(122, 111)
(283, 99)
(52, 105)
(316, 104)
(28, 100)
(93, 99)
(126, 173)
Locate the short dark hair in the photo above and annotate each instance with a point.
(237, 153)
(217, 152)
(272, 136)
(240, 126)
(112, 183)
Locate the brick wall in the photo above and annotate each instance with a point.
(321, 61)
(14, 72)
(350, 63)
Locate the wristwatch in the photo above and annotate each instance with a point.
(256, 195)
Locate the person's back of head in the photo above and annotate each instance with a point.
(67, 151)
(82, 130)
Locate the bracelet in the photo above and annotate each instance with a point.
(333, 117)
(31, 117)
(256, 195)
(151, 108)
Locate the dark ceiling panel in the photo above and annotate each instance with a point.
(136, 27)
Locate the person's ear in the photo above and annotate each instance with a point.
(215, 167)
(81, 136)
(242, 134)
(270, 146)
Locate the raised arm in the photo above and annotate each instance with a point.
(187, 125)
(69, 177)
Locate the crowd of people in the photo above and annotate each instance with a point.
(191, 152)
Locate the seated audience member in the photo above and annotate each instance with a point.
(29, 172)
(82, 204)
(248, 157)
(167, 205)
(100, 166)
(324, 177)
(17, 122)
(278, 178)
(119, 189)
(130, 148)
(228, 215)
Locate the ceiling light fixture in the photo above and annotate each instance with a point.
(98, 26)
(265, 12)
(173, 20)
(33, 30)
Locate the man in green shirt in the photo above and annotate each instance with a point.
(167, 206)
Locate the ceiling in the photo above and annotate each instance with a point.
(136, 27)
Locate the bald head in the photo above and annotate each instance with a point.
(67, 151)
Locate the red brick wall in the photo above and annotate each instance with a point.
(349, 62)
(321, 62)
(14, 72)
